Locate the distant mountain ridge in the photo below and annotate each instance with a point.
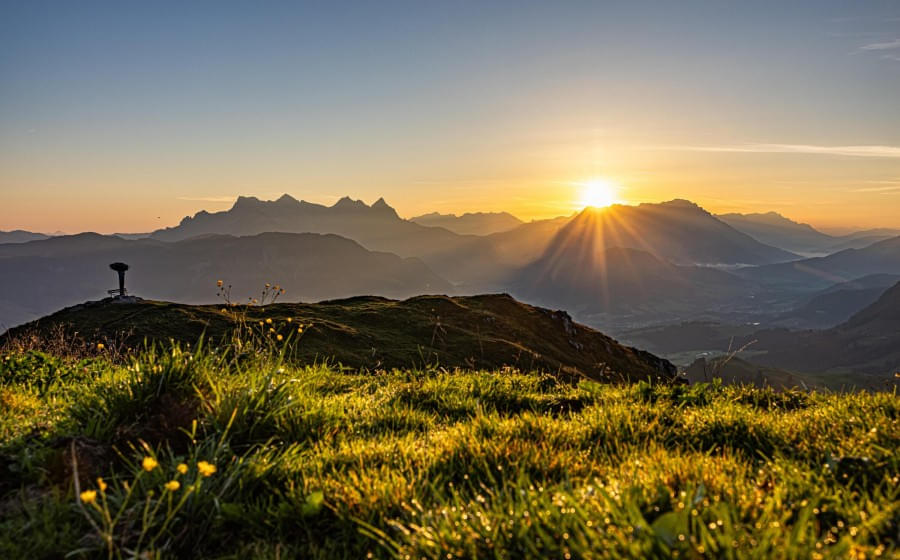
(470, 223)
(461, 259)
(678, 231)
(20, 236)
(821, 272)
(774, 229)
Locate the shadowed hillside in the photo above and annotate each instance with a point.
(836, 304)
(869, 342)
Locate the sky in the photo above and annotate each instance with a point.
(126, 116)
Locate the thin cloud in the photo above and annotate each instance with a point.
(207, 198)
(849, 151)
(883, 46)
(883, 190)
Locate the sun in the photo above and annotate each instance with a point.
(598, 193)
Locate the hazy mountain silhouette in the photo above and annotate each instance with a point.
(818, 273)
(42, 276)
(465, 259)
(862, 239)
(20, 236)
(527, 242)
(581, 272)
(774, 229)
(677, 231)
(470, 223)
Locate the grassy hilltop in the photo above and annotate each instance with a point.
(475, 332)
(170, 453)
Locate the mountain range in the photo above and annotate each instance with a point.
(617, 268)
(462, 259)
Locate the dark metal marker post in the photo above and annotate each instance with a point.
(119, 267)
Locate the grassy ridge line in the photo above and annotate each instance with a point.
(313, 462)
(477, 332)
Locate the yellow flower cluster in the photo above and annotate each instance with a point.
(206, 469)
(149, 464)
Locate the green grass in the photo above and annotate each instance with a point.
(316, 462)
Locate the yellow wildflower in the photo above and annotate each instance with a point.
(100, 346)
(182, 468)
(173, 485)
(268, 321)
(89, 496)
(289, 319)
(300, 329)
(149, 463)
(219, 283)
(101, 485)
(279, 337)
(206, 469)
(268, 285)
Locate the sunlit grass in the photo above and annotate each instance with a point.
(322, 463)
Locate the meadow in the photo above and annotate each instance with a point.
(203, 452)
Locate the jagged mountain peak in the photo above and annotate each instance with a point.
(245, 201)
(681, 203)
(287, 199)
(347, 203)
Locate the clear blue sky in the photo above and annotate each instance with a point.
(452, 106)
